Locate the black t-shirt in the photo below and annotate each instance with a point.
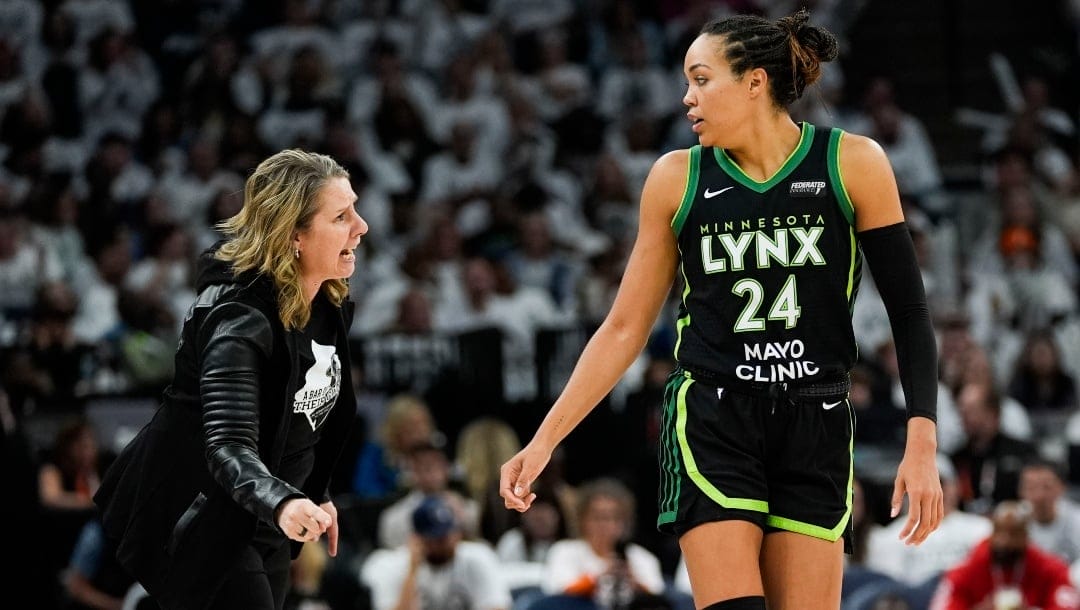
(318, 379)
(319, 382)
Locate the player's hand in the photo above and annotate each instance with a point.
(518, 474)
(917, 477)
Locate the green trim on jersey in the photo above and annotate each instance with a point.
(794, 159)
(851, 283)
(693, 170)
(834, 534)
(703, 484)
(684, 321)
(837, 177)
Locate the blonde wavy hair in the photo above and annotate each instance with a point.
(280, 197)
(407, 413)
(482, 447)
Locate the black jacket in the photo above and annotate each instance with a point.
(183, 498)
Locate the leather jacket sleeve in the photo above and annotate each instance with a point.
(238, 341)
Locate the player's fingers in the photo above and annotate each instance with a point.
(521, 495)
(508, 480)
(897, 497)
(529, 500)
(926, 522)
(530, 470)
(935, 516)
(523, 487)
(938, 512)
(929, 513)
(913, 518)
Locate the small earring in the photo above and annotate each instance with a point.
(297, 252)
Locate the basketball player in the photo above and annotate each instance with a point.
(766, 223)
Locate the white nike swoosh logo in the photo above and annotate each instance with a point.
(829, 405)
(710, 194)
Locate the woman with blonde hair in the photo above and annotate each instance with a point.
(211, 501)
(381, 464)
(482, 447)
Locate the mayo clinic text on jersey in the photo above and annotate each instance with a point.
(769, 364)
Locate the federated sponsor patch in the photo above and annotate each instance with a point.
(807, 188)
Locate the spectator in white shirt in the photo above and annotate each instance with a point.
(20, 21)
(914, 565)
(460, 181)
(436, 569)
(635, 85)
(523, 550)
(54, 210)
(560, 85)
(191, 191)
(495, 300)
(90, 17)
(428, 470)
(118, 85)
(98, 313)
(904, 139)
(578, 567)
(299, 28)
(166, 274)
(24, 265)
(537, 261)
(1055, 519)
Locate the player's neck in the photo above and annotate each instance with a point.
(767, 144)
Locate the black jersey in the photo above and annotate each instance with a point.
(770, 269)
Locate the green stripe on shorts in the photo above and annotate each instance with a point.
(834, 534)
(670, 479)
(702, 483)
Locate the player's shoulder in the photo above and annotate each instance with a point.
(859, 149)
(674, 161)
(669, 172)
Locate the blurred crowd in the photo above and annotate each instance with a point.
(498, 148)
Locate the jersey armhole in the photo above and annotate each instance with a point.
(692, 170)
(836, 177)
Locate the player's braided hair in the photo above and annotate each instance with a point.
(790, 50)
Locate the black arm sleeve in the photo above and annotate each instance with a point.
(891, 256)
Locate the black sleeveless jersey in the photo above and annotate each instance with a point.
(770, 269)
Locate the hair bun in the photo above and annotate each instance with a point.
(819, 42)
(795, 22)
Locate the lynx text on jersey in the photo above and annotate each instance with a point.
(789, 244)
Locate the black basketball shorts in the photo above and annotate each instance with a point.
(774, 456)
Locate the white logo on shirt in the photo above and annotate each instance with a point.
(710, 194)
(322, 383)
